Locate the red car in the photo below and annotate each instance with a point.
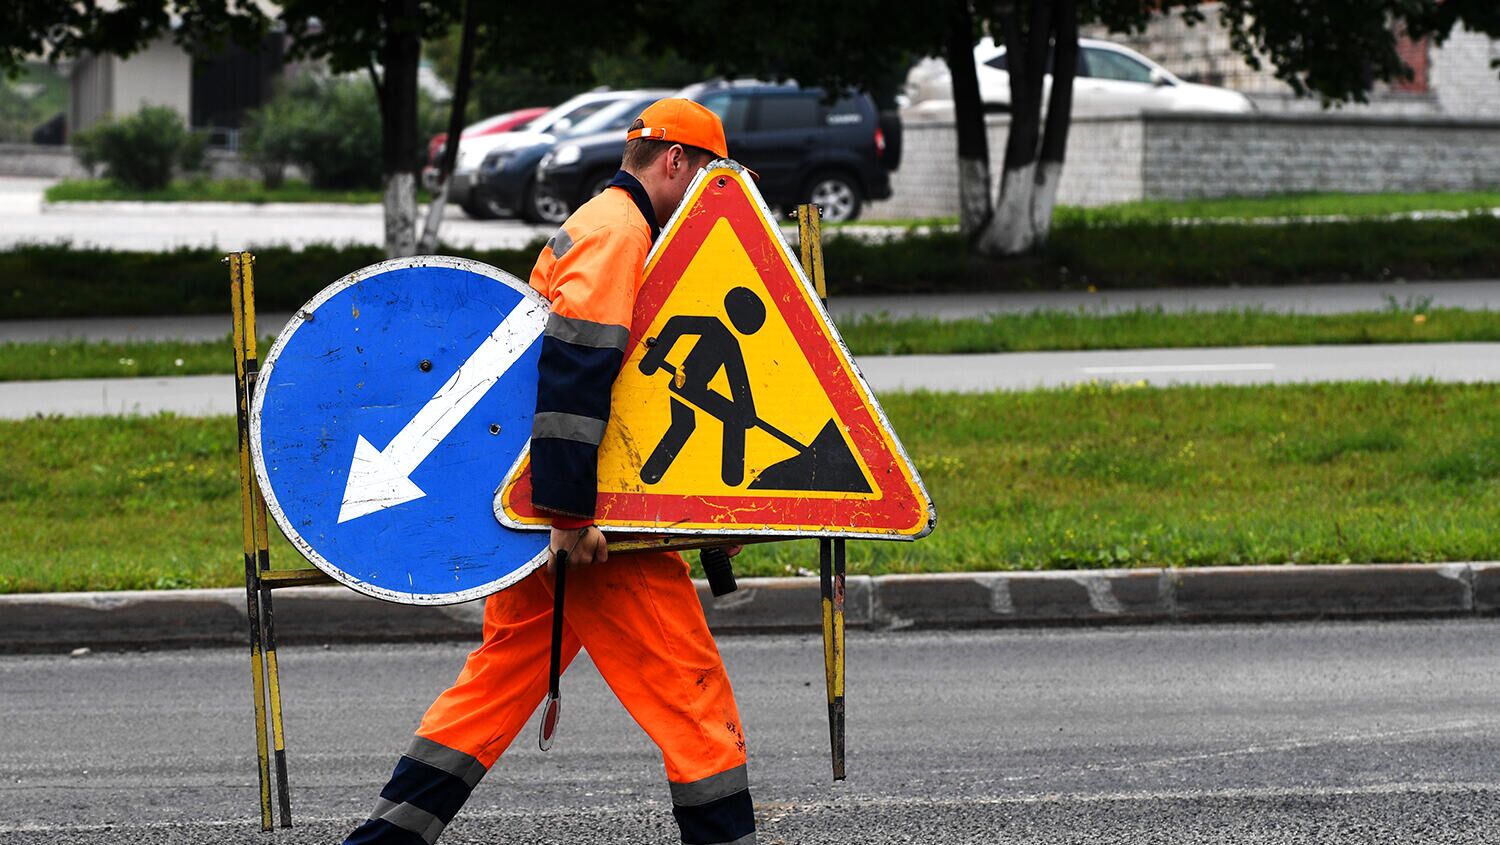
(489, 126)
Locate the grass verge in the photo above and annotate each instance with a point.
(207, 190)
(1086, 477)
(56, 280)
(1277, 206)
(1035, 332)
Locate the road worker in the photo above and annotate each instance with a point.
(638, 614)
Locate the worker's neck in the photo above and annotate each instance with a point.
(663, 202)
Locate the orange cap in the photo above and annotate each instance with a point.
(681, 122)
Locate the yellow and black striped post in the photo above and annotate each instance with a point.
(831, 552)
(264, 671)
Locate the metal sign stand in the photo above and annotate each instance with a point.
(831, 553)
(260, 579)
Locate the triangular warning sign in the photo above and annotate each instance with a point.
(739, 410)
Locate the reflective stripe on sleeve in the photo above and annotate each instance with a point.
(568, 427)
(462, 766)
(581, 332)
(711, 788)
(410, 818)
(560, 242)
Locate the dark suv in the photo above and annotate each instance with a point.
(837, 155)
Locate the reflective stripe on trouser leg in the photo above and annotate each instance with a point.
(640, 619)
(430, 783)
(716, 809)
(470, 725)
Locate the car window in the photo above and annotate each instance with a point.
(788, 111)
(999, 63)
(1107, 64)
(733, 110)
(616, 115)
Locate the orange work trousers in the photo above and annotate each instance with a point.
(640, 619)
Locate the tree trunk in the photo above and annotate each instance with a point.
(460, 103)
(1059, 118)
(974, 209)
(399, 162)
(1034, 158)
(1011, 230)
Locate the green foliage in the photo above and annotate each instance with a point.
(55, 280)
(205, 190)
(1091, 476)
(141, 151)
(33, 97)
(329, 126)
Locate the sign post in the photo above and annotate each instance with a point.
(265, 674)
(830, 549)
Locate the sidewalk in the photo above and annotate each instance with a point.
(1447, 362)
(1478, 295)
(39, 622)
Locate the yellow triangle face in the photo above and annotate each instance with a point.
(738, 410)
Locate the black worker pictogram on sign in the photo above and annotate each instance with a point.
(826, 464)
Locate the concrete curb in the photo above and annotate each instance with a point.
(49, 622)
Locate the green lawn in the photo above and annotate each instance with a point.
(207, 190)
(1039, 331)
(1279, 205)
(1086, 477)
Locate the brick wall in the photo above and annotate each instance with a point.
(1178, 156)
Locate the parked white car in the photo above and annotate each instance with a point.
(1111, 79)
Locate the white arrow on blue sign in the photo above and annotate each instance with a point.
(385, 416)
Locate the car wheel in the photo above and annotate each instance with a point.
(477, 208)
(539, 205)
(837, 195)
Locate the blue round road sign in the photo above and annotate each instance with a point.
(386, 415)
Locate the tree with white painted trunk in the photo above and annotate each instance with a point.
(1335, 50)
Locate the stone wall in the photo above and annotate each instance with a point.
(1213, 156)
(1178, 156)
(47, 162)
(1097, 170)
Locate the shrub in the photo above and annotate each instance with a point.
(329, 127)
(142, 150)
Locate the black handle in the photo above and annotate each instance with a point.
(719, 570)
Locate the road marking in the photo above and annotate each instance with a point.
(1179, 368)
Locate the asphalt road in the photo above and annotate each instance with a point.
(1347, 733)
(1452, 362)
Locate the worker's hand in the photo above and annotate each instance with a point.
(583, 545)
(733, 550)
